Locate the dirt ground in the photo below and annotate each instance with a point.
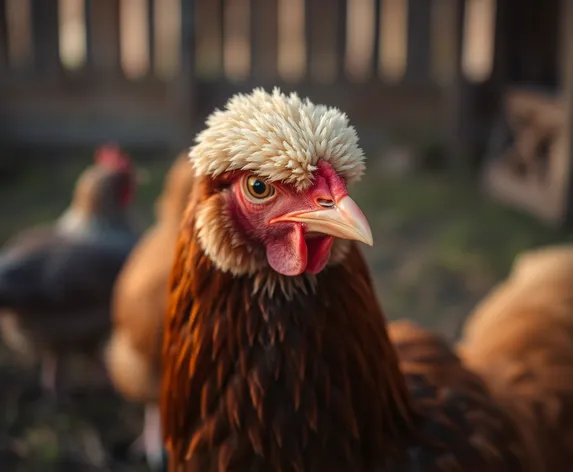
(439, 247)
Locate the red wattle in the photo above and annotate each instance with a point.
(287, 254)
(291, 254)
(318, 250)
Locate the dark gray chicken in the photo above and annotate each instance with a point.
(56, 280)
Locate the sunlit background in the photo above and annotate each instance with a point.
(464, 109)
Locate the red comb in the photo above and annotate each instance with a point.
(111, 156)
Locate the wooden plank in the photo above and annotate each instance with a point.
(567, 93)
(538, 200)
(183, 90)
(3, 39)
(264, 39)
(45, 36)
(325, 38)
(459, 105)
(209, 37)
(310, 26)
(89, 33)
(151, 35)
(377, 37)
(340, 41)
(103, 37)
(419, 43)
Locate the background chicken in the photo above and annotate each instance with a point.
(140, 297)
(276, 353)
(56, 280)
(520, 340)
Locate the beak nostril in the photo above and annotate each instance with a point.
(325, 202)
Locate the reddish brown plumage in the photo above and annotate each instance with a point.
(308, 379)
(133, 353)
(140, 294)
(520, 340)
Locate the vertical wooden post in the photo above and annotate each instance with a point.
(325, 22)
(567, 93)
(103, 37)
(45, 33)
(184, 86)
(89, 33)
(264, 39)
(460, 112)
(342, 8)
(419, 40)
(151, 35)
(310, 25)
(499, 72)
(3, 39)
(377, 35)
(209, 33)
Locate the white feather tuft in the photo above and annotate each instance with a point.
(278, 137)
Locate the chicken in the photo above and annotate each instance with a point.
(520, 340)
(139, 302)
(276, 353)
(56, 280)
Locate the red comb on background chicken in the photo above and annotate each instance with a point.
(276, 354)
(111, 155)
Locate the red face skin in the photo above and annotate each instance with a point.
(111, 157)
(290, 248)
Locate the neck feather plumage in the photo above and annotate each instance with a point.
(252, 381)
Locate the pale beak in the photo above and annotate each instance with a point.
(342, 219)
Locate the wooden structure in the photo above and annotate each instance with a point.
(42, 101)
(529, 160)
(146, 73)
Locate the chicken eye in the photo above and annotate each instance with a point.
(258, 189)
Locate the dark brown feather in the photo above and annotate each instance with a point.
(291, 377)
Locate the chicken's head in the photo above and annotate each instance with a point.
(275, 171)
(107, 188)
(110, 156)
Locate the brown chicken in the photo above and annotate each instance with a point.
(133, 354)
(520, 340)
(276, 354)
(56, 280)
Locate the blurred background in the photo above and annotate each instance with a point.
(464, 109)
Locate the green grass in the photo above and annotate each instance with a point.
(439, 247)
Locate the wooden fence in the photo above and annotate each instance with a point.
(145, 72)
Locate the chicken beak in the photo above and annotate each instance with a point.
(343, 219)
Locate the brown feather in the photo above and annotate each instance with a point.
(361, 417)
(140, 294)
(309, 379)
(520, 340)
(478, 433)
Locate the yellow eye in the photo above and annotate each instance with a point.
(259, 189)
